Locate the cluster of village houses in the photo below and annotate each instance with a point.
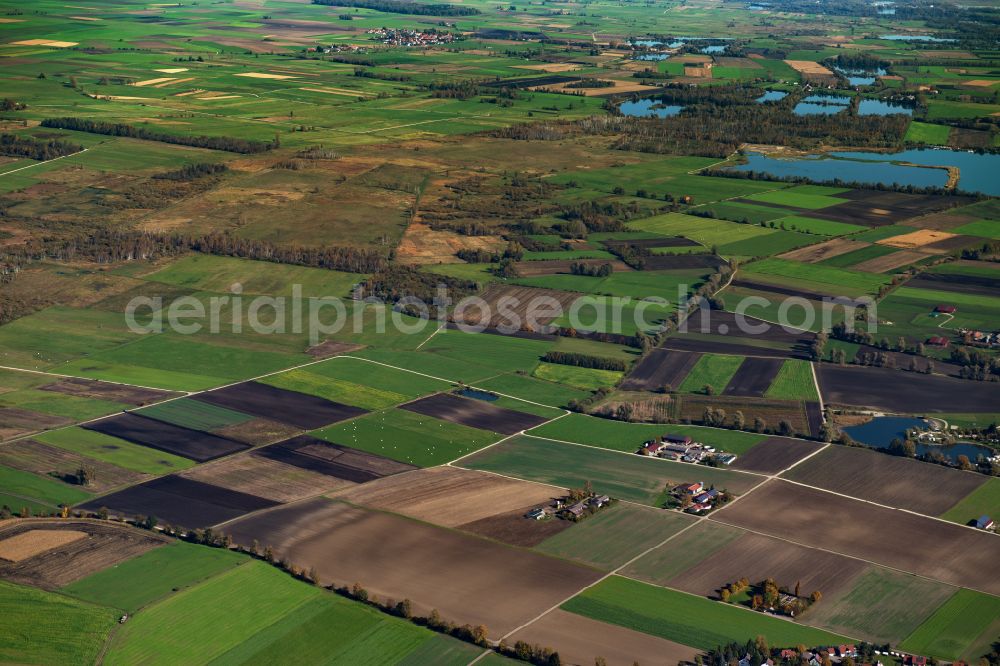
(838, 653)
(409, 37)
(981, 338)
(569, 509)
(695, 498)
(682, 448)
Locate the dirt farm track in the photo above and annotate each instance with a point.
(467, 579)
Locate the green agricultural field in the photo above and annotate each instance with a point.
(194, 414)
(928, 133)
(582, 378)
(620, 475)
(154, 575)
(983, 501)
(68, 406)
(682, 552)
(306, 381)
(879, 606)
(46, 628)
(408, 437)
(621, 436)
(807, 196)
(981, 228)
(713, 370)
(849, 259)
(814, 226)
(44, 490)
(824, 279)
(706, 231)
(962, 628)
(688, 619)
(113, 450)
(536, 390)
(614, 535)
(794, 382)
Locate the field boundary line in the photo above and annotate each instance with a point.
(519, 433)
(106, 381)
(822, 406)
(433, 333)
(54, 159)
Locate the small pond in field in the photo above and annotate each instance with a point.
(880, 431)
(648, 108)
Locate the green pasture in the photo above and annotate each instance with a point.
(793, 382)
(713, 370)
(113, 450)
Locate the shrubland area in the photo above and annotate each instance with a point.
(637, 477)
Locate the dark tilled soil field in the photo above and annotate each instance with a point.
(513, 528)
(474, 413)
(104, 545)
(814, 415)
(924, 546)
(180, 501)
(963, 284)
(898, 482)
(953, 244)
(722, 322)
(775, 454)
(91, 388)
(341, 462)
(675, 241)
(683, 343)
(660, 368)
(15, 421)
(875, 209)
(831, 296)
(467, 579)
(758, 557)
(192, 444)
(909, 393)
(753, 377)
(298, 409)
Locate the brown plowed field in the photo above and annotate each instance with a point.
(474, 413)
(513, 528)
(889, 262)
(758, 557)
(258, 431)
(753, 377)
(516, 300)
(467, 579)
(15, 421)
(270, 402)
(924, 546)
(447, 496)
(32, 456)
(941, 221)
(104, 544)
(660, 368)
(898, 482)
(892, 391)
(774, 454)
(265, 478)
(90, 388)
(333, 460)
(811, 254)
(580, 640)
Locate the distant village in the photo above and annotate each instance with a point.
(410, 37)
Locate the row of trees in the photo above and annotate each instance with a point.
(14, 145)
(193, 171)
(225, 143)
(585, 361)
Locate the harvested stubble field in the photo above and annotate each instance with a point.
(296, 409)
(448, 496)
(812, 254)
(465, 578)
(91, 388)
(775, 454)
(948, 553)
(332, 460)
(892, 391)
(758, 557)
(50, 562)
(561, 266)
(180, 501)
(34, 456)
(474, 413)
(579, 639)
(24, 545)
(898, 482)
(516, 301)
(193, 444)
(263, 477)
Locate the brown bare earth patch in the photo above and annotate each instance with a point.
(775, 454)
(265, 478)
(15, 421)
(258, 431)
(329, 348)
(808, 67)
(90, 388)
(620, 86)
(758, 557)
(34, 542)
(889, 262)
(894, 481)
(832, 248)
(517, 301)
(941, 221)
(579, 640)
(467, 579)
(916, 239)
(104, 544)
(551, 67)
(512, 527)
(423, 245)
(692, 407)
(948, 553)
(447, 496)
(33, 456)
